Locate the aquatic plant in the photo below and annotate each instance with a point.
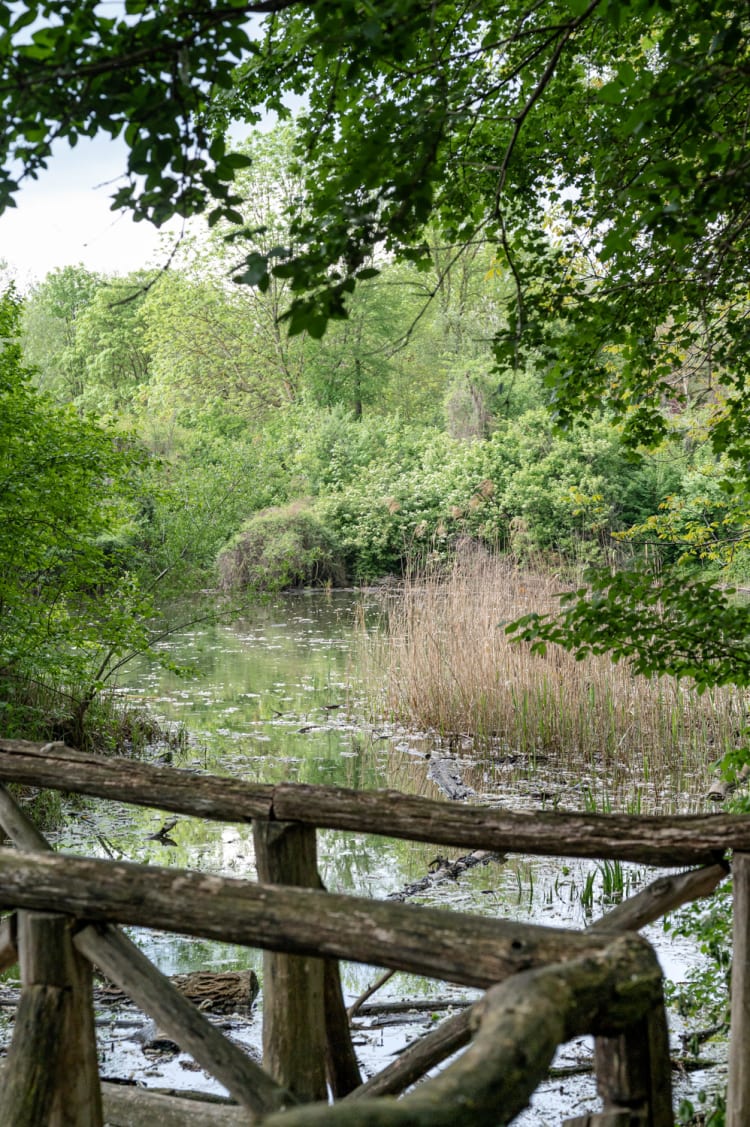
(445, 663)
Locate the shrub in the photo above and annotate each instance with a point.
(278, 548)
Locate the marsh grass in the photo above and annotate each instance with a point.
(446, 664)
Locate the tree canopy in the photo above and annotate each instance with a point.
(600, 146)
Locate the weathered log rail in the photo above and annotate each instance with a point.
(543, 985)
(659, 841)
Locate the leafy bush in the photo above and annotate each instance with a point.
(278, 548)
(332, 449)
(526, 489)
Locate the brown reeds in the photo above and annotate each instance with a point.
(448, 665)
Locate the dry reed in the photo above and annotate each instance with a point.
(446, 664)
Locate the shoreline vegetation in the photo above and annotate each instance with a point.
(37, 710)
(446, 665)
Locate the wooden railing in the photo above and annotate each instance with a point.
(543, 985)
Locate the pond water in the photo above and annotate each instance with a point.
(278, 695)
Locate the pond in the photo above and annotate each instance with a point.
(279, 695)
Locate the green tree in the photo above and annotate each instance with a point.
(216, 340)
(50, 326)
(110, 346)
(82, 335)
(205, 352)
(69, 492)
(624, 121)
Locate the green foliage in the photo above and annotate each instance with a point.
(702, 999)
(110, 346)
(83, 335)
(217, 341)
(196, 497)
(215, 346)
(598, 150)
(699, 631)
(68, 488)
(50, 321)
(700, 524)
(279, 548)
(334, 449)
(705, 993)
(220, 342)
(526, 489)
(710, 1112)
(68, 71)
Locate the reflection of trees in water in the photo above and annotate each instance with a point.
(258, 711)
(279, 666)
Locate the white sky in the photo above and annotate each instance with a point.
(63, 218)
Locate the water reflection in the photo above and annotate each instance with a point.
(278, 696)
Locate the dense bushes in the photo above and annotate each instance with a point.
(278, 548)
(526, 490)
(454, 454)
(383, 492)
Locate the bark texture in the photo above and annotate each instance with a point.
(664, 841)
(520, 1024)
(738, 1092)
(294, 1023)
(452, 946)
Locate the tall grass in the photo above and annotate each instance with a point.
(446, 664)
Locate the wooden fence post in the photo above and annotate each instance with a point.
(634, 1073)
(52, 1077)
(8, 949)
(738, 1091)
(294, 1022)
(286, 853)
(633, 1076)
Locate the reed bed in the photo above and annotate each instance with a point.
(446, 664)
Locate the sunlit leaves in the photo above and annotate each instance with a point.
(660, 626)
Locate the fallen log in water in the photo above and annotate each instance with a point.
(220, 991)
(721, 788)
(128, 1106)
(412, 1006)
(447, 777)
(442, 870)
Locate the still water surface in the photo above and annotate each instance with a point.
(279, 695)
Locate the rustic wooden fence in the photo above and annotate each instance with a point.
(543, 985)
